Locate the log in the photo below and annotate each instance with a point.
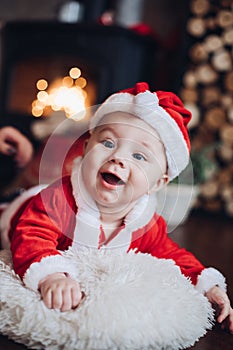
(226, 153)
(228, 36)
(226, 134)
(210, 95)
(222, 60)
(213, 42)
(230, 114)
(203, 137)
(214, 118)
(206, 74)
(189, 95)
(210, 23)
(189, 79)
(208, 86)
(224, 18)
(209, 189)
(226, 193)
(198, 53)
(194, 109)
(200, 7)
(226, 100)
(196, 26)
(228, 82)
(225, 177)
(229, 208)
(197, 143)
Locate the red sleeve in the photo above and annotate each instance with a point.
(155, 241)
(40, 228)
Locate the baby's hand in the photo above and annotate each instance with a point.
(221, 302)
(13, 143)
(60, 292)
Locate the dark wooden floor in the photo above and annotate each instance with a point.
(210, 238)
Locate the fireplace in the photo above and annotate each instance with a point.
(108, 58)
(77, 60)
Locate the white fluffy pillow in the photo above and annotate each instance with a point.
(133, 301)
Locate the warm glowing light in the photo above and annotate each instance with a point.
(37, 112)
(81, 82)
(42, 96)
(75, 73)
(55, 107)
(65, 94)
(67, 81)
(38, 104)
(42, 84)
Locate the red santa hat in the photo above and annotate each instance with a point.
(162, 110)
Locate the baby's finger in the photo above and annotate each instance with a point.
(47, 298)
(77, 297)
(7, 149)
(67, 300)
(24, 153)
(224, 311)
(230, 321)
(57, 299)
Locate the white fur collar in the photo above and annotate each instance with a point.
(88, 215)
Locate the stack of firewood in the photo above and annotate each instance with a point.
(207, 91)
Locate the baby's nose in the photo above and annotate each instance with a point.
(118, 161)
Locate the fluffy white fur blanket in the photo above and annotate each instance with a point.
(133, 301)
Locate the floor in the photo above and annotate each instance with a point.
(210, 238)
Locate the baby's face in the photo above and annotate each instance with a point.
(124, 159)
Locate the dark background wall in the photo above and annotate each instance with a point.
(167, 19)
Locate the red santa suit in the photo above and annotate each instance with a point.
(63, 215)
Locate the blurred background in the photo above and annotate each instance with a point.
(58, 58)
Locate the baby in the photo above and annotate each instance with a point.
(138, 143)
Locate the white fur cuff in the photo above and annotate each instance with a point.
(209, 278)
(48, 265)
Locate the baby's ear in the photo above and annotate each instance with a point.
(160, 183)
(85, 143)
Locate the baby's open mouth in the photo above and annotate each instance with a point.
(112, 179)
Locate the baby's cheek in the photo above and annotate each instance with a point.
(142, 181)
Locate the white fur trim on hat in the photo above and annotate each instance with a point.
(145, 106)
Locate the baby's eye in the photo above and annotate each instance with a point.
(139, 156)
(108, 143)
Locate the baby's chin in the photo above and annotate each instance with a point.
(112, 205)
